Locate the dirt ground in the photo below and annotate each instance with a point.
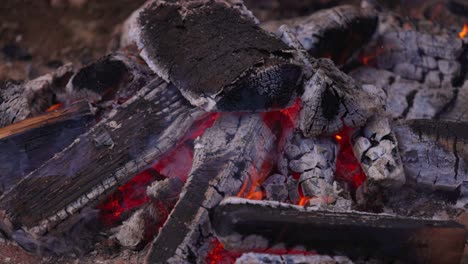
(37, 36)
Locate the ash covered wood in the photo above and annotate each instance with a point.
(19, 100)
(336, 32)
(230, 153)
(257, 225)
(332, 100)
(217, 56)
(261, 258)
(96, 163)
(434, 153)
(27, 144)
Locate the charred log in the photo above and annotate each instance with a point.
(246, 69)
(27, 144)
(258, 258)
(332, 100)
(434, 153)
(20, 100)
(336, 32)
(156, 119)
(230, 153)
(247, 225)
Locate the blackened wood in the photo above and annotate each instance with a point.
(248, 225)
(218, 57)
(336, 32)
(117, 76)
(96, 163)
(332, 100)
(20, 100)
(26, 145)
(236, 150)
(434, 153)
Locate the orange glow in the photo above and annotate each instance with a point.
(251, 188)
(338, 137)
(54, 107)
(304, 200)
(464, 31)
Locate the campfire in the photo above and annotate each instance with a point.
(211, 135)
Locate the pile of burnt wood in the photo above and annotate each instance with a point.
(341, 133)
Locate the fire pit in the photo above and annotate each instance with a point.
(331, 133)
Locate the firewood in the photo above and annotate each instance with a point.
(230, 153)
(133, 136)
(248, 225)
(231, 63)
(434, 153)
(27, 144)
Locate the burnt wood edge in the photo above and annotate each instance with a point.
(247, 225)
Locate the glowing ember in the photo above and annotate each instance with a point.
(348, 167)
(464, 31)
(303, 201)
(251, 188)
(54, 107)
(128, 197)
(219, 255)
(369, 58)
(176, 163)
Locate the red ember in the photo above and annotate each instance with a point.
(54, 107)
(348, 167)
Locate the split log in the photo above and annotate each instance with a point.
(27, 144)
(96, 163)
(434, 153)
(252, 225)
(231, 63)
(233, 152)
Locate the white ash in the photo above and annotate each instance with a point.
(131, 233)
(166, 189)
(377, 150)
(261, 258)
(312, 161)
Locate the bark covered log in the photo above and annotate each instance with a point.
(231, 65)
(248, 225)
(230, 153)
(97, 162)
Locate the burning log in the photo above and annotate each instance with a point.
(133, 136)
(257, 225)
(258, 258)
(237, 150)
(434, 153)
(247, 69)
(27, 144)
(135, 232)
